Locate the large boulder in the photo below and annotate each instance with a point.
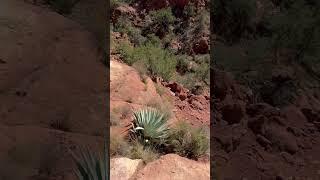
(123, 168)
(174, 167)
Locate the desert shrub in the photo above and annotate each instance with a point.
(146, 153)
(202, 22)
(119, 146)
(149, 127)
(124, 25)
(160, 89)
(189, 10)
(142, 70)
(153, 40)
(188, 141)
(187, 80)
(203, 73)
(114, 119)
(182, 64)
(162, 16)
(116, 3)
(159, 62)
(127, 53)
(161, 21)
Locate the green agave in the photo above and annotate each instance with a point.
(150, 125)
(91, 166)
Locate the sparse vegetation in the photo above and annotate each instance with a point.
(188, 141)
(114, 119)
(157, 61)
(119, 146)
(124, 111)
(146, 153)
(156, 50)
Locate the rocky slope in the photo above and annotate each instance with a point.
(273, 143)
(45, 58)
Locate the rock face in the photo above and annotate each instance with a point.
(202, 46)
(174, 167)
(275, 141)
(123, 168)
(46, 58)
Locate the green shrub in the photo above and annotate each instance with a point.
(189, 10)
(124, 25)
(153, 40)
(161, 21)
(149, 127)
(182, 64)
(203, 73)
(142, 70)
(159, 62)
(115, 3)
(127, 53)
(163, 16)
(188, 141)
(202, 23)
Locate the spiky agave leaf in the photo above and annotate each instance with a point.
(90, 166)
(150, 124)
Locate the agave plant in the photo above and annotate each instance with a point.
(90, 165)
(149, 126)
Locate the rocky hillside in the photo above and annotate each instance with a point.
(155, 64)
(266, 94)
(52, 99)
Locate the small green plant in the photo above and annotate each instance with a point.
(188, 141)
(149, 127)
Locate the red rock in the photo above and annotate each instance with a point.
(201, 47)
(233, 112)
(172, 166)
